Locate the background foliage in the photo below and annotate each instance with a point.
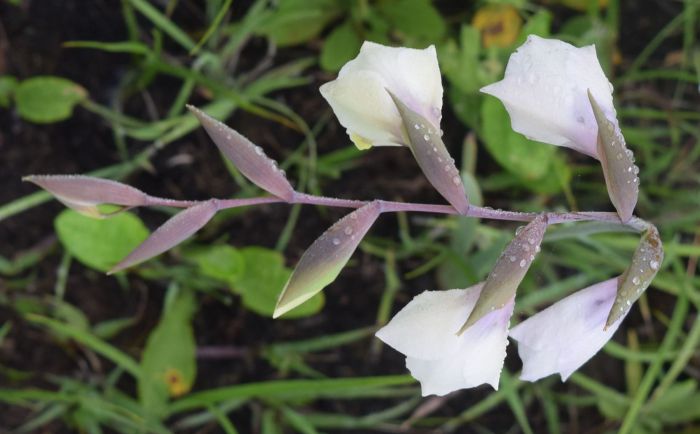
(185, 343)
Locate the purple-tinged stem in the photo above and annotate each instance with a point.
(390, 206)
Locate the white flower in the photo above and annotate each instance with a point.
(545, 92)
(561, 338)
(362, 104)
(425, 330)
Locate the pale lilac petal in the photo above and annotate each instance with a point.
(561, 338)
(426, 328)
(545, 92)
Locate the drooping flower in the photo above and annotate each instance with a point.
(362, 104)
(426, 331)
(545, 90)
(561, 338)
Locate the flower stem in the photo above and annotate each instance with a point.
(391, 206)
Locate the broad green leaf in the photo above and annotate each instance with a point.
(8, 84)
(99, 244)
(517, 154)
(168, 362)
(460, 63)
(679, 404)
(263, 278)
(509, 271)
(221, 262)
(340, 46)
(646, 261)
(417, 21)
(326, 257)
(538, 24)
(618, 164)
(47, 99)
(298, 21)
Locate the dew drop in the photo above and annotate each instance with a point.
(526, 248)
(455, 180)
(512, 258)
(518, 229)
(635, 280)
(447, 167)
(258, 150)
(654, 265)
(416, 126)
(619, 156)
(336, 241)
(635, 169)
(426, 137)
(348, 231)
(522, 263)
(531, 241)
(537, 249)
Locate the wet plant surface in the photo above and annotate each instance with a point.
(651, 367)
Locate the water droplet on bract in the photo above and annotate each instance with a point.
(629, 153)
(635, 181)
(532, 257)
(228, 137)
(654, 265)
(282, 172)
(439, 160)
(336, 241)
(635, 170)
(353, 216)
(434, 149)
(416, 126)
(629, 169)
(447, 167)
(518, 229)
(619, 156)
(512, 258)
(635, 280)
(258, 150)
(522, 263)
(531, 241)
(526, 248)
(537, 249)
(348, 231)
(455, 180)
(430, 131)
(426, 137)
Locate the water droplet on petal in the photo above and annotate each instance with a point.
(336, 241)
(455, 180)
(512, 258)
(635, 280)
(258, 150)
(522, 263)
(426, 137)
(654, 265)
(416, 126)
(348, 231)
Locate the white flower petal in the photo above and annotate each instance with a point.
(545, 92)
(478, 359)
(360, 99)
(426, 327)
(425, 330)
(561, 338)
